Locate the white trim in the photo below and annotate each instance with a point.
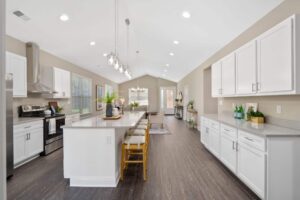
(2, 104)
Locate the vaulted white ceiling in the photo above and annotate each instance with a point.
(155, 24)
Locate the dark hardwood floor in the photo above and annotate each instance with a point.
(179, 168)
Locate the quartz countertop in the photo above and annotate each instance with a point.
(129, 119)
(264, 130)
(22, 120)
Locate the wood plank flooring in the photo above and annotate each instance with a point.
(179, 168)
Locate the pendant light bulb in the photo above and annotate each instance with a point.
(110, 59)
(117, 65)
(121, 69)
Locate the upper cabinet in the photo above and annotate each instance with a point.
(17, 65)
(59, 80)
(275, 58)
(228, 75)
(268, 65)
(246, 69)
(216, 79)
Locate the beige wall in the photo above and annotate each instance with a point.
(152, 83)
(195, 81)
(47, 59)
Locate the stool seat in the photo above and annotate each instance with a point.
(136, 132)
(134, 140)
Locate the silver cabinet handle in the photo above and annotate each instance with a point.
(257, 86)
(254, 88)
(250, 139)
(233, 146)
(29, 136)
(236, 146)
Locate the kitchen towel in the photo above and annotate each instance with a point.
(52, 126)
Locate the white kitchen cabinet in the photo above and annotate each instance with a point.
(228, 75)
(246, 69)
(34, 144)
(216, 79)
(19, 147)
(228, 153)
(59, 80)
(248, 155)
(205, 123)
(275, 58)
(28, 141)
(214, 138)
(17, 65)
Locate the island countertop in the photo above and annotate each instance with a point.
(128, 119)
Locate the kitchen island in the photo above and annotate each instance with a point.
(92, 150)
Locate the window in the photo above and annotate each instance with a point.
(81, 94)
(139, 95)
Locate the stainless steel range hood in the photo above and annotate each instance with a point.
(34, 71)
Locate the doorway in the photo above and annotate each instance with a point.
(167, 100)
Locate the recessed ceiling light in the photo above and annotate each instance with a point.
(186, 14)
(175, 42)
(171, 54)
(167, 65)
(105, 54)
(64, 17)
(92, 43)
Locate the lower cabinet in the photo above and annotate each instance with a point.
(28, 141)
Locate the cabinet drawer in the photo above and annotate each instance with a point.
(28, 126)
(229, 131)
(215, 125)
(252, 140)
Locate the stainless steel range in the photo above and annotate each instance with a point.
(53, 133)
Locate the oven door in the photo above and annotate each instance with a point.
(53, 130)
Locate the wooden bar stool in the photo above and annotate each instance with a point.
(140, 131)
(134, 145)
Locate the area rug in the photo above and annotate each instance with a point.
(157, 130)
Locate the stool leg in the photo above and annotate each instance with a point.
(144, 163)
(123, 162)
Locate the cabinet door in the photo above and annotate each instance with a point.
(228, 75)
(214, 142)
(19, 148)
(228, 153)
(35, 145)
(17, 65)
(275, 54)
(66, 84)
(57, 82)
(251, 168)
(246, 69)
(205, 135)
(216, 79)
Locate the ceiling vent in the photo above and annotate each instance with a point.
(21, 15)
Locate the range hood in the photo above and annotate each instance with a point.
(34, 72)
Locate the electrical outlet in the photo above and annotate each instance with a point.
(278, 109)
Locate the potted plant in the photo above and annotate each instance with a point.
(134, 105)
(191, 105)
(257, 117)
(108, 99)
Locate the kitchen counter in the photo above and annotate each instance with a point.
(129, 119)
(92, 149)
(263, 130)
(22, 120)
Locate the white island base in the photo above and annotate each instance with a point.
(92, 153)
